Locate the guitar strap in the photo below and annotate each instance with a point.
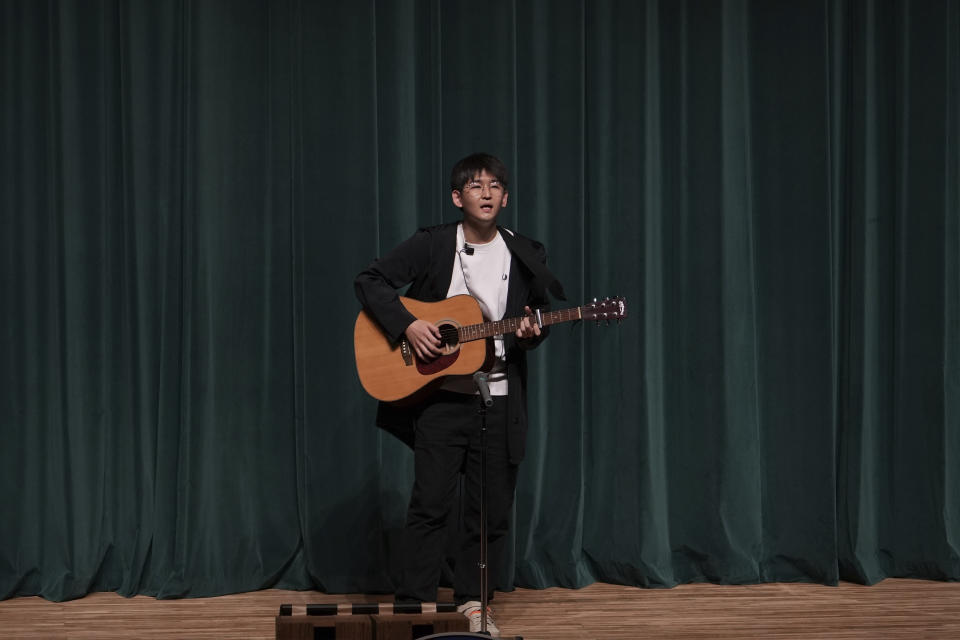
(541, 275)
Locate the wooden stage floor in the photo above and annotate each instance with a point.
(891, 609)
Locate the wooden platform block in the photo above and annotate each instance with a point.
(340, 627)
(412, 626)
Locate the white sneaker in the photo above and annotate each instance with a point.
(471, 609)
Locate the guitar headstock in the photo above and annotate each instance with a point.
(607, 309)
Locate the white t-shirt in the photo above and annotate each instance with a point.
(485, 276)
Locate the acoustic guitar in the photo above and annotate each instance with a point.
(392, 372)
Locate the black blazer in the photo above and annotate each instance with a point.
(425, 261)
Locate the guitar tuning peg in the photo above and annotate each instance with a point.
(594, 301)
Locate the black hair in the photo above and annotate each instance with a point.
(473, 165)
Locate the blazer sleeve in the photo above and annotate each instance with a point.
(376, 286)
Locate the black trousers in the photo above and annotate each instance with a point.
(448, 443)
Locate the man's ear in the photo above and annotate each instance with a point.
(503, 203)
(457, 198)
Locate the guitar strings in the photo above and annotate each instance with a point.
(449, 335)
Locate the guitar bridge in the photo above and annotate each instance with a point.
(405, 352)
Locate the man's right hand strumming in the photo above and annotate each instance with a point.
(425, 339)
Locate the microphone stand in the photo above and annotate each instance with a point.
(480, 379)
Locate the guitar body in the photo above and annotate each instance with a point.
(393, 373)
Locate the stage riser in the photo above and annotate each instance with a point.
(324, 628)
(367, 627)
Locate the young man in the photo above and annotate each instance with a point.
(507, 275)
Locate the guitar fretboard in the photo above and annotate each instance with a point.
(509, 325)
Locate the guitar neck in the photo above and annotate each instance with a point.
(509, 325)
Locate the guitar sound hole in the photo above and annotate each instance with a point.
(449, 339)
(449, 345)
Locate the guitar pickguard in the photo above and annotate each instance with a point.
(438, 365)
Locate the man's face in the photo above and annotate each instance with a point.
(481, 198)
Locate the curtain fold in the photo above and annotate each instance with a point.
(188, 188)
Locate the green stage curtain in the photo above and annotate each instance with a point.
(187, 189)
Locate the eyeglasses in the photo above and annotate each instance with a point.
(475, 188)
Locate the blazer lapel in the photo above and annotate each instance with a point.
(543, 277)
